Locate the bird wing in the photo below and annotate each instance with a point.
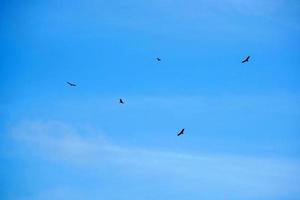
(246, 59)
(181, 132)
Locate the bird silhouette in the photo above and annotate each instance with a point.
(246, 59)
(71, 84)
(121, 101)
(181, 132)
(158, 59)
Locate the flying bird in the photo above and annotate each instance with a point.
(121, 101)
(246, 59)
(71, 84)
(181, 132)
(158, 59)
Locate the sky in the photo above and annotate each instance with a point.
(242, 121)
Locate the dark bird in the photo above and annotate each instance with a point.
(121, 101)
(158, 59)
(71, 84)
(246, 59)
(181, 132)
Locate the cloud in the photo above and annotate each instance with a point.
(86, 148)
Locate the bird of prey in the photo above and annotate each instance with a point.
(246, 59)
(121, 101)
(181, 132)
(71, 84)
(158, 59)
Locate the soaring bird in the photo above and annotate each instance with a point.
(71, 84)
(181, 132)
(121, 101)
(246, 59)
(158, 59)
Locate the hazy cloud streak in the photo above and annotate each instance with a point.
(84, 147)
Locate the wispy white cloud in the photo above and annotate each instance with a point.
(87, 148)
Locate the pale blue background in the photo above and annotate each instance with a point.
(242, 121)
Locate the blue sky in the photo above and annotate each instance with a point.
(241, 120)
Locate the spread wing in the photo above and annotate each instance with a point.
(71, 84)
(246, 59)
(181, 132)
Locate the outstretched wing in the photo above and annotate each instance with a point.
(71, 84)
(246, 59)
(181, 132)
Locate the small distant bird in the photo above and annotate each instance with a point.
(121, 101)
(181, 132)
(158, 59)
(71, 84)
(246, 59)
